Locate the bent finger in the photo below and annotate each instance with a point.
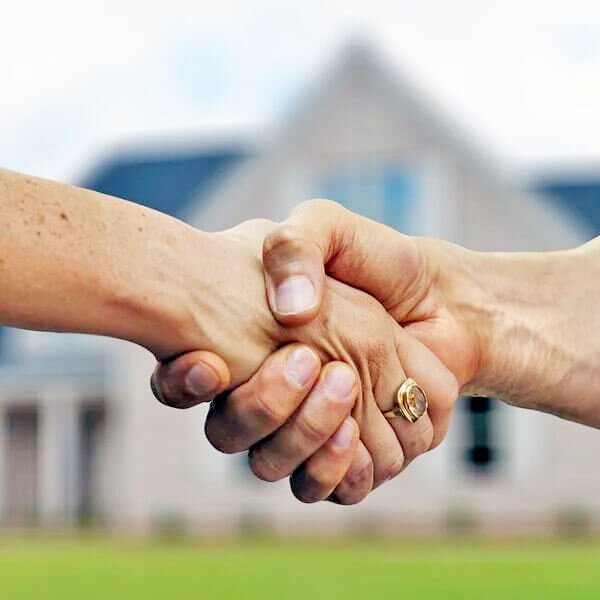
(262, 405)
(315, 421)
(442, 391)
(358, 479)
(294, 275)
(190, 379)
(316, 479)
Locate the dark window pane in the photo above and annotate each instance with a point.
(480, 452)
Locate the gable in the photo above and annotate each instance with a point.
(361, 116)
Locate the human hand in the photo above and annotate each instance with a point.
(417, 280)
(364, 336)
(511, 325)
(275, 395)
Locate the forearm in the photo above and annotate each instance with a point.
(537, 321)
(75, 260)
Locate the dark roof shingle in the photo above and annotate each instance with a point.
(167, 182)
(579, 195)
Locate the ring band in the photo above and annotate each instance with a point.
(411, 402)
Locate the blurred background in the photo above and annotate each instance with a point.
(477, 122)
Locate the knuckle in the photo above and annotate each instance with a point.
(391, 468)
(313, 429)
(319, 205)
(265, 405)
(420, 443)
(306, 489)
(219, 438)
(222, 428)
(321, 478)
(266, 467)
(269, 377)
(284, 237)
(359, 476)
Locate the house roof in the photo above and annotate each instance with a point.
(360, 63)
(359, 79)
(579, 194)
(165, 181)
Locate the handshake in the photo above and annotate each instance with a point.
(310, 387)
(358, 324)
(333, 348)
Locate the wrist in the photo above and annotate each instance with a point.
(150, 300)
(217, 284)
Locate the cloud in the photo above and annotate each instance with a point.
(78, 78)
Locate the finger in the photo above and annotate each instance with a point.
(358, 480)
(382, 443)
(415, 438)
(411, 359)
(316, 420)
(354, 250)
(379, 385)
(294, 275)
(257, 408)
(442, 391)
(317, 478)
(190, 379)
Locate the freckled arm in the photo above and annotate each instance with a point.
(75, 260)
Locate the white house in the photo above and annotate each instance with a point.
(88, 437)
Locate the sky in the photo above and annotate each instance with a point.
(79, 79)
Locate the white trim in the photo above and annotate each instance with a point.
(58, 453)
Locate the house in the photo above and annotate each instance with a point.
(83, 437)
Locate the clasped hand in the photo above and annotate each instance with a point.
(299, 376)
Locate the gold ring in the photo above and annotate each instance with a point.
(411, 402)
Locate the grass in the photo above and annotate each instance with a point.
(113, 569)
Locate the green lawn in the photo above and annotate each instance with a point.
(105, 568)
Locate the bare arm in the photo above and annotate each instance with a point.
(537, 319)
(75, 260)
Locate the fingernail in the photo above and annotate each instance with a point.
(339, 382)
(201, 381)
(302, 365)
(295, 295)
(343, 437)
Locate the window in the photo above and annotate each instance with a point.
(481, 452)
(47, 344)
(387, 193)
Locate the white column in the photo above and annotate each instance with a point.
(59, 454)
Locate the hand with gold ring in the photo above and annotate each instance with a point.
(295, 429)
(346, 456)
(464, 306)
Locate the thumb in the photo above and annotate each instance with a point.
(190, 379)
(323, 237)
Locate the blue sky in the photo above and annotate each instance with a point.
(79, 78)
